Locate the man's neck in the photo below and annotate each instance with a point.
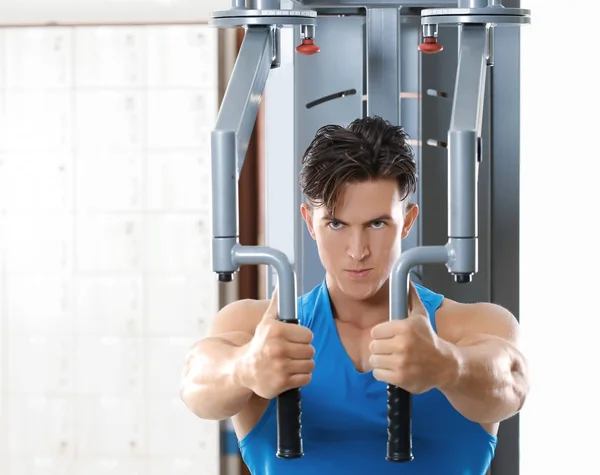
(360, 313)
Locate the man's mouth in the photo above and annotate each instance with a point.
(358, 272)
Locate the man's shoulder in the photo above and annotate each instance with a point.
(240, 315)
(457, 320)
(247, 307)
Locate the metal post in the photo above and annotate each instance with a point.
(383, 63)
(225, 202)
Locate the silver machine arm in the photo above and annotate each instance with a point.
(476, 20)
(259, 53)
(262, 20)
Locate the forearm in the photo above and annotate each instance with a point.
(210, 381)
(488, 383)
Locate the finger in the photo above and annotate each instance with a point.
(273, 310)
(383, 362)
(384, 347)
(297, 333)
(415, 305)
(299, 367)
(383, 375)
(298, 381)
(299, 351)
(385, 330)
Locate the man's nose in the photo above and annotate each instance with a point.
(358, 248)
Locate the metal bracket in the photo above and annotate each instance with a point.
(242, 98)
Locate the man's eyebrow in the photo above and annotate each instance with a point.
(383, 217)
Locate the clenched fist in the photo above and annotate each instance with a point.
(408, 353)
(279, 357)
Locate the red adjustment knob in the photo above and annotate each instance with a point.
(430, 45)
(308, 46)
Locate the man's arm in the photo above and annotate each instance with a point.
(488, 382)
(210, 386)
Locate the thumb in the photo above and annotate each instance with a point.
(273, 308)
(415, 305)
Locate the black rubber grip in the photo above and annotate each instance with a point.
(289, 425)
(289, 421)
(399, 446)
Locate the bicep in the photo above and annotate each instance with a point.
(237, 321)
(464, 322)
(233, 325)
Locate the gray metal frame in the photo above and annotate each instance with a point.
(426, 119)
(455, 137)
(504, 210)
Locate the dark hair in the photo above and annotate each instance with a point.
(368, 149)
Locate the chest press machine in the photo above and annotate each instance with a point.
(389, 47)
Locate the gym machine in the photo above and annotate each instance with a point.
(398, 42)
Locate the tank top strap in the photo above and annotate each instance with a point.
(312, 307)
(431, 301)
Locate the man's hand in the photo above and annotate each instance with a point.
(278, 358)
(408, 354)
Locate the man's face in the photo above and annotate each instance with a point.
(359, 245)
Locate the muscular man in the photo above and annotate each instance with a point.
(461, 362)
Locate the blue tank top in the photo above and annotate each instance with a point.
(344, 416)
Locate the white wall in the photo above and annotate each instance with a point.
(70, 12)
(105, 273)
(560, 263)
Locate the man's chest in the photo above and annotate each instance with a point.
(355, 343)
